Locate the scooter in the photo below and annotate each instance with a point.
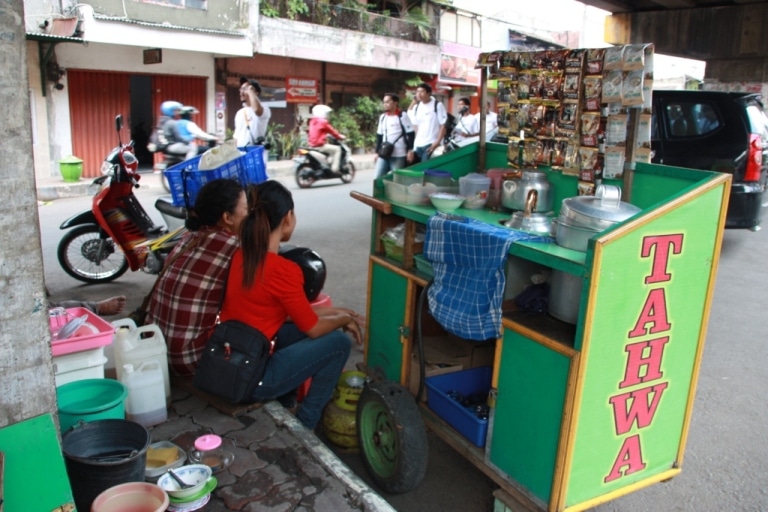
(313, 165)
(116, 233)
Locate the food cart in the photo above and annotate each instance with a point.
(580, 413)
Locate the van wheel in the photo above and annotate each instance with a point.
(392, 437)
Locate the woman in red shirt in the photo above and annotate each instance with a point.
(265, 290)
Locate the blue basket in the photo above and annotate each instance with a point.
(248, 168)
(466, 382)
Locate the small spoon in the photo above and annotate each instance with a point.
(182, 483)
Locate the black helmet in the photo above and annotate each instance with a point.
(312, 266)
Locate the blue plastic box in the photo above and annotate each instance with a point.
(466, 382)
(248, 168)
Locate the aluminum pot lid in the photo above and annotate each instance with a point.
(606, 204)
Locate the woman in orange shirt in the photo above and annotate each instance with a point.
(266, 291)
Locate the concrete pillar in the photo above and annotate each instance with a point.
(26, 379)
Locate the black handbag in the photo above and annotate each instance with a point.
(233, 362)
(386, 149)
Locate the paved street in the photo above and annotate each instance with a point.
(727, 454)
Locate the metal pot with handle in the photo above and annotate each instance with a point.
(582, 217)
(529, 221)
(517, 185)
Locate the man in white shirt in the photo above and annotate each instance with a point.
(467, 125)
(491, 118)
(394, 128)
(428, 117)
(251, 121)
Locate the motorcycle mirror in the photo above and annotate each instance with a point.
(118, 122)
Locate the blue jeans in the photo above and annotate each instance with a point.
(384, 165)
(421, 152)
(321, 358)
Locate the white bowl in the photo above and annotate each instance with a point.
(445, 202)
(195, 474)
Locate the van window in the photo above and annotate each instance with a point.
(687, 119)
(758, 121)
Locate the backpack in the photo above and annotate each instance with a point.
(450, 122)
(158, 140)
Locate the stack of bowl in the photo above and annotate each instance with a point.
(201, 483)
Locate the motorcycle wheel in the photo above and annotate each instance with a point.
(305, 176)
(85, 255)
(392, 437)
(348, 176)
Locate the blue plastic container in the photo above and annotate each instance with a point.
(185, 180)
(437, 177)
(466, 382)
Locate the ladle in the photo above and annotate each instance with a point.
(182, 483)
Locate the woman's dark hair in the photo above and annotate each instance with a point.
(214, 199)
(268, 204)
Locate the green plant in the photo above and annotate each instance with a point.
(268, 10)
(271, 137)
(287, 143)
(295, 7)
(345, 123)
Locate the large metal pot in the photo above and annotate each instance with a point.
(583, 217)
(565, 296)
(517, 185)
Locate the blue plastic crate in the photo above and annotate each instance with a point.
(466, 382)
(248, 168)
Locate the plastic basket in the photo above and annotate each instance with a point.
(466, 382)
(185, 180)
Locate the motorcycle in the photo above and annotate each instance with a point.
(116, 233)
(313, 165)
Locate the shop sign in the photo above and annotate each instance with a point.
(644, 346)
(300, 90)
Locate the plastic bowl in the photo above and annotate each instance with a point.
(195, 474)
(446, 202)
(138, 496)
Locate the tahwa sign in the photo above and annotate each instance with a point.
(645, 344)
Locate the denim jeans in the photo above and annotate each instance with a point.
(321, 358)
(421, 152)
(384, 165)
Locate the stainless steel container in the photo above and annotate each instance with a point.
(583, 217)
(530, 222)
(515, 190)
(565, 296)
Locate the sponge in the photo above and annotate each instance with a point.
(159, 457)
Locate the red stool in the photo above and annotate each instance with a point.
(321, 300)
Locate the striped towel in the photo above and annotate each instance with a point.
(468, 260)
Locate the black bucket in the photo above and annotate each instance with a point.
(101, 454)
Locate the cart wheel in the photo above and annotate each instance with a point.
(392, 437)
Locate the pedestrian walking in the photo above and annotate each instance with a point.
(467, 124)
(428, 117)
(394, 137)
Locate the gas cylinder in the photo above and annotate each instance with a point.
(339, 417)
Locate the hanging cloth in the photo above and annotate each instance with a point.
(468, 262)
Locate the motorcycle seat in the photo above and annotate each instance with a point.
(164, 206)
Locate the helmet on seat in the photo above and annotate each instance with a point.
(312, 266)
(168, 108)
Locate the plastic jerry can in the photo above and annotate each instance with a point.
(139, 345)
(109, 351)
(145, 403)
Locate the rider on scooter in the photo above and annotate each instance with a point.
(189, 131)
(170, 141)
(319, 129)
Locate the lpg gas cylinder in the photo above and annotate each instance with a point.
(339, 417)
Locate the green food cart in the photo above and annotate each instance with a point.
(580, 413)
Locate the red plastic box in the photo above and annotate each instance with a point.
(96, 332)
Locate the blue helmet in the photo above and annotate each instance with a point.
(169, 107)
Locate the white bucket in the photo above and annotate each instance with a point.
(145, 403)
(139, 345)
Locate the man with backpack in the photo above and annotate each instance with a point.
(394, 137)
(429, 118)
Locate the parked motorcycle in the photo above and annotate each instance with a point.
(313, 165)
(116, 233)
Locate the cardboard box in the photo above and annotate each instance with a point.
(448, 354)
